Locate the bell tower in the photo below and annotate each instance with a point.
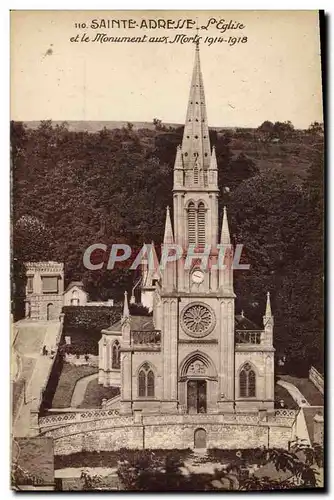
(195, 189)
(197, 295)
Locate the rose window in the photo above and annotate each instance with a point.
(198, 320)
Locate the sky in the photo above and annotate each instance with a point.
(274, 75)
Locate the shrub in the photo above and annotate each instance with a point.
(90, 317)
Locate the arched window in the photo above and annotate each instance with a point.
(191, 223)
(247, 382)
(201, 223)
(116, 355)
(146, 381)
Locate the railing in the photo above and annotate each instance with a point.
(146, 337)
(76, 416)
(59, 426)
(248, 337)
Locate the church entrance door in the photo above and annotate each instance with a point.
(196, 396)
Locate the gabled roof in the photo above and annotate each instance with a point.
(139, 323)
(243, 323)
(78, 284)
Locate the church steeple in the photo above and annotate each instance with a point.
(196, 143)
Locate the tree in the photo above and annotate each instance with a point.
(266, 130)
(283, 130)
(316, 128)
(149, 472)
(269, 217)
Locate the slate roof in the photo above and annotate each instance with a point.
(145, 323)
(79, 284)
(243, 323)
(141, 323)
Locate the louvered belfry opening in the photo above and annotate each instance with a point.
(201, 224)
(196, 175)
(196, 224)
(192, 223)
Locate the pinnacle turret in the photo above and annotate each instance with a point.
(225, 234)
(168, 236)
(126, 312)
(213, 161)
(268, 306)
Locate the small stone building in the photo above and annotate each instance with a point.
(75, 295)
(44, 290)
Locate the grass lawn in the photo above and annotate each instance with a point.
(35, 457)
(281, 393)
(95, 392)
(68, 378)
(307, 388)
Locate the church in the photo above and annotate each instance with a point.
(193, 354)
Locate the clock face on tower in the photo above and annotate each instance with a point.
(198, 319)
(197, 276)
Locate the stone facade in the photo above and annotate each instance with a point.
(75, 295)
(44, 290)
(169, 431)
(193, 354)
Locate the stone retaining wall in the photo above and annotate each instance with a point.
(167, 431)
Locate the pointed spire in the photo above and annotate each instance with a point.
(213, 161)
(268, 306)
(168, 237)
(225, 234)
(153, 272)
(178, 159)
(196, 142)
(126, 312)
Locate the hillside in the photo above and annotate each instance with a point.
(73, 189)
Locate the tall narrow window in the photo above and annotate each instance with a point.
(142, 383)
(150, 384)
(247, 382)
(146, 381)
(195, 175)
(201, 224)
(191, 223)
(116, 355)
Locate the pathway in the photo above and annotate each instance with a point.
(80, 389)
(70, 472)
(27, 347)
(294, 392)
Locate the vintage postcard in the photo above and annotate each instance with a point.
(167, 236)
